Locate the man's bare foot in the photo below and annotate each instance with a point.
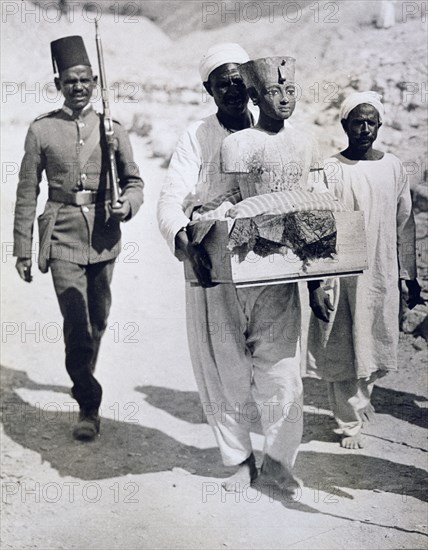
(352, 441)
(246, 474)
(274, 472)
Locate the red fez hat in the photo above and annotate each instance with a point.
(68, 52)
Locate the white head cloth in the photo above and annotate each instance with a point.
(357, 98)
(219, 55)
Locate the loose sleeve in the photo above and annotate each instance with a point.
(406, 230)
(28, 189)
(180, 184)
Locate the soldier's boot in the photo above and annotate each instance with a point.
(88, 426)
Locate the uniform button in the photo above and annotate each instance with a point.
(85, 209)
(83, 177)
(81, 142)
(81, 124)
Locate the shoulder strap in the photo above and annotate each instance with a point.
(44, 115)
(90, 145)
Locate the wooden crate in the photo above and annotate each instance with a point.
(254, 270)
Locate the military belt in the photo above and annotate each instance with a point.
(79, 198)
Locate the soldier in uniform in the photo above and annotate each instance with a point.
(79, 229)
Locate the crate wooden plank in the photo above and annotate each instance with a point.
(254, 270)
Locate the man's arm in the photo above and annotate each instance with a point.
(406, 242)
(179, 189)
(27, 192)
(130, 181)
(406, 231)
(180, 184)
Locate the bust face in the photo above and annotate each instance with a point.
(77, 85)
(277, 101)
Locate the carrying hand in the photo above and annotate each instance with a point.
(198, 257)
(120, 211)
(201, 264)
(414, 290)
(319, 301)
(23, 266)
(181, 244)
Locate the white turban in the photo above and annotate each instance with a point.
(219, 55)
(357, 98)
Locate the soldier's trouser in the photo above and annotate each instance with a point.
(245, 350)
(84, 297)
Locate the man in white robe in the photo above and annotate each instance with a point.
(244, 342)
(359, 343)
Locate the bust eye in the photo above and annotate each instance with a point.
(273, 92)
(291, 92)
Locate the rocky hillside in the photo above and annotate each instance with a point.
(154, 81)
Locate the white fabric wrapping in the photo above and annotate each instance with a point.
(285, 202)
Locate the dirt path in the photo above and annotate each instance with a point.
(152, 479)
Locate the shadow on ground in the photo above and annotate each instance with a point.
(123, 447)
(401, 405)
(184, 405)
(129, 448)
(187, 406)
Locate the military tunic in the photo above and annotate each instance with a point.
(58, 143)
(78, 242)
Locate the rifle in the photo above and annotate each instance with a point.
(108, 124)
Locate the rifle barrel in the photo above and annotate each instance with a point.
(108, 121)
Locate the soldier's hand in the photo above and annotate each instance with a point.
(23, 266)
(319, 301)
(120, 211)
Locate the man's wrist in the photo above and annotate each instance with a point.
(181, 242)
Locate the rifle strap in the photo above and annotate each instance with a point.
(105, 144)
(89, 147)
